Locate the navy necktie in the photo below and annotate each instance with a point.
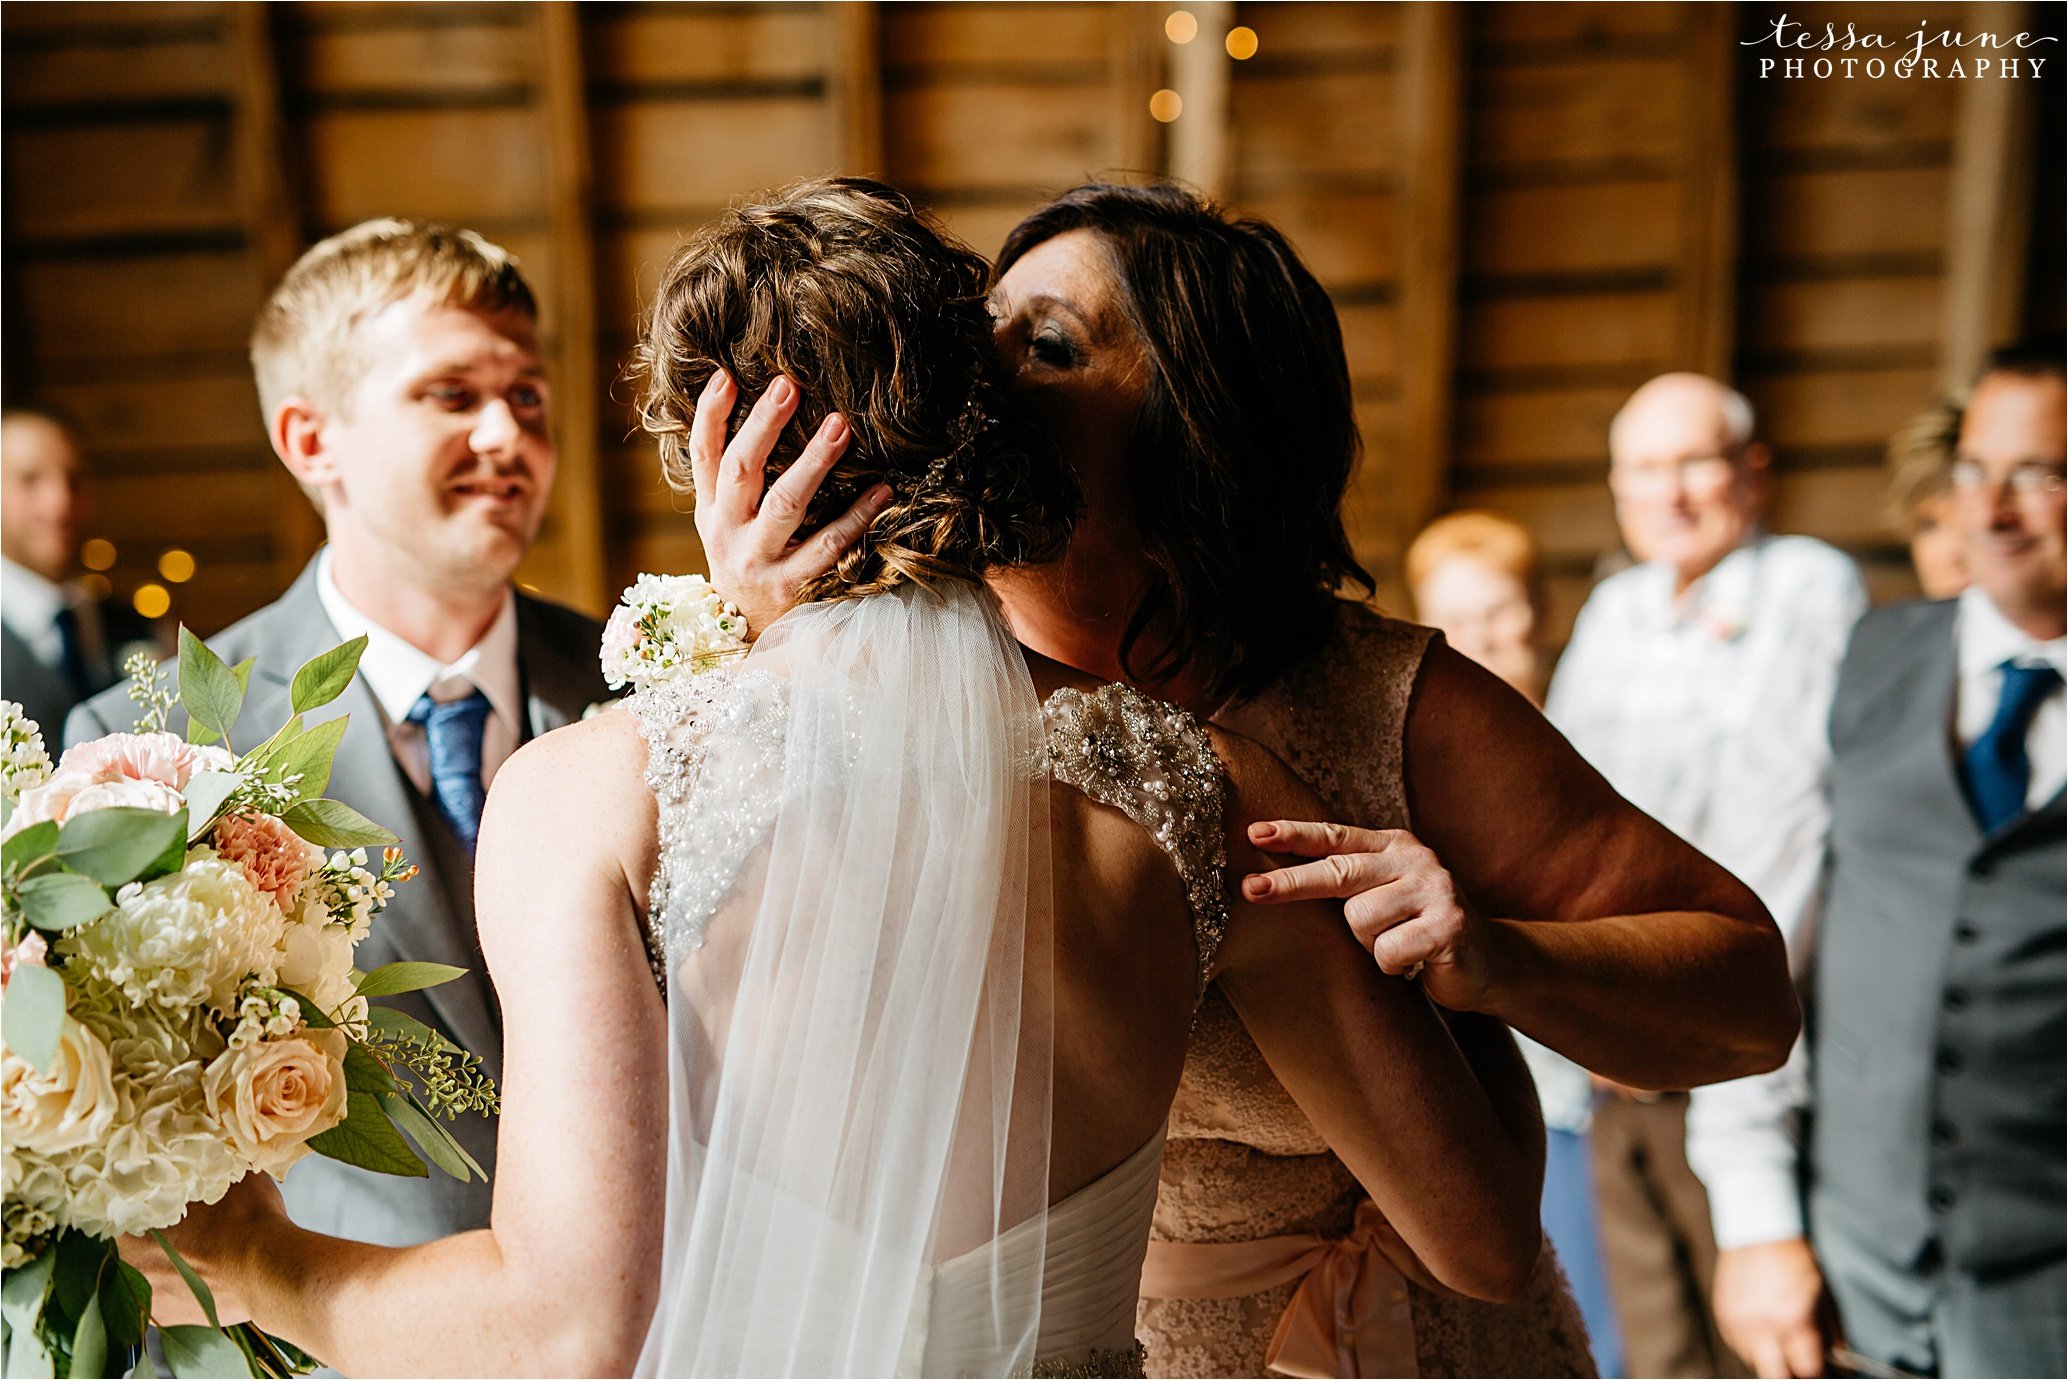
(72, 652)
(1997, 768)
(453, 730)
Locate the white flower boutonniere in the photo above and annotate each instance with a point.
(669, 625)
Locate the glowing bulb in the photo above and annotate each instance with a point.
(98, 554)
(96, 586)
(151, 601)
(1181, 27)
(1166, 105)
(176, 566)
(1242, 43)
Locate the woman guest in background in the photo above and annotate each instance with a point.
(1474, 578)
(1193, 372)
(1920, 463)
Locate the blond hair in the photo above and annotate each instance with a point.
(303, 342)
(1920, 461)
(1493, 541)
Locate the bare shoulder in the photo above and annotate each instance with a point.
(586, 781)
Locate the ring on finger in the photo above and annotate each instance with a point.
(1415, 970)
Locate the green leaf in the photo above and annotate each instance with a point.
(125, 1305)
(242, 670)
(58, 901)
(195, 1283)
(431, 1138)
(365, 1073)
(390, 979)
(90, 1339)
(145, 1368)
(31, 1019)
(81, 1260)
(323, 678)
(28, 1358)
(36, 841)
(368, 1139)
(334, 824)
(206, 792)
(387, 1018)
(309, 756)
(24, 1288)
(113, 846)
(202, 1352)
(211, 692)
(311, 1012)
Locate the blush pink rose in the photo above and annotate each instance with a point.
(275, 859)
(162, 757)
(30, 952)
(72, 793)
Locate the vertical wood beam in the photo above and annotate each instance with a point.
(1705, 338)
(1136, 44)
(856, 86)
(1989, 207)
(1430, 90)
(1201, 73)
(562, 100)
(274, 225)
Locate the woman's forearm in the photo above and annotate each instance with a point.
(1669, 1000)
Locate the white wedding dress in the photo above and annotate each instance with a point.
(851, 919)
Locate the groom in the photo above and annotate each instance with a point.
(399, 374)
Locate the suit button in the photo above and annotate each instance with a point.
(1943, 1134)
(1966, 933)
(1955, 998)
(1948, 1061)
(1941, 1198)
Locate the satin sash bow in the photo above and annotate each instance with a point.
(1350, 1316)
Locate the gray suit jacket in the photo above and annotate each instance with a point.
(432, 917)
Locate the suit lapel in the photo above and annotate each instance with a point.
(560, 680)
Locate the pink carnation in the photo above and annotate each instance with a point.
(30, 951)
(143, 757)
(275, 859)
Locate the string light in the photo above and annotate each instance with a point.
(1242, 43)
(1166, 105)
(151, 601)
(176, 566)
(98, 554)
(1181, 27)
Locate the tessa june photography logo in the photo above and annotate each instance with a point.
(1929, 53)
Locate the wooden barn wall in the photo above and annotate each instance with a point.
(1521, 211)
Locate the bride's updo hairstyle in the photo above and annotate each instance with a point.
(841, 285)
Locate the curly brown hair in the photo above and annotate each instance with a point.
(843, 286)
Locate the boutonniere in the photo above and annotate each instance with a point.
(1724, 624)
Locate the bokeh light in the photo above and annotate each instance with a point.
(1181, 27)
(1242, 43)
(98, 554)
(96, 586)
(1166, 105)
(151, 601)
(176, 566)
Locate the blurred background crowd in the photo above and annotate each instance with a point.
(1666, 372)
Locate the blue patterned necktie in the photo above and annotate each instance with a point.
(453, 730)
(1998, 770)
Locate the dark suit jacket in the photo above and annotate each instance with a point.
(108, 633)
(432, 917)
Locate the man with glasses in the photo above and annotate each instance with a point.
(1699, 683)
(1934, 1162)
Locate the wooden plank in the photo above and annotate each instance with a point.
(1707, 272)
(1290, 32)
(996, 135)
(108, 309)
(407, 58)
(1201, 144)
(146, 417)
(1590, 228)
(1570, 521)
(1846, 506)
(641, 45)
(1539, 22)
(1843, 314)
(855, 98)
(1371, 339)
(929, 37)
(1559, 426)
(1138, 57)
(668, 154)
(1580, 112)
(983, 226)
(1630, 330)
(462, 165)
(1314, 125)
(72, 18)
(628, 269)
(1843, 407)
(103, 74)
(1348, 239)
(1835, 215)
(577, 492)
(1431, 119)
(1989, 209)
(239, 504)
(143, 177)
(1853, 119)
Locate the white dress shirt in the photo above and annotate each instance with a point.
(1984, 641)
(399, 674)
(30, 604)
(1710, 712)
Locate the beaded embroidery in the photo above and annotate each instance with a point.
(1108, 1361)
(1155, 764)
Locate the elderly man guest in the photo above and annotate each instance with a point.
(58, 643)
(1934, 1164)
(399, 374)
(1698, 683)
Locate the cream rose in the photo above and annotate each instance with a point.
(316, 961)
(72, 793)
(272, 1096)
(70, 1106)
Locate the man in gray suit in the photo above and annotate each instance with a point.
(1934, 1164)
(399, 374)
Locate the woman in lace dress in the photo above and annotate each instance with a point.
(813, 1063)
(1194, 373)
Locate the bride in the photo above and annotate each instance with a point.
(846, 989)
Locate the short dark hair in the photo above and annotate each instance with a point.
(1245, 442)
(874, 312)
(2034, 357)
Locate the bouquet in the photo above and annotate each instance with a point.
(181, 1007)
(667, 624)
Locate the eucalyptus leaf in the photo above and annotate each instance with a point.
(242, 670)
(27, 1356)
(209, 690)
(36, 841)
(364, 1073)
(31, 1020)
(387, 1018)
(368, 1139)
(324, 677)
(392, 979)
(90, 1339)
(206, 792)
(113, 846)
(308, 756)
(23, 1289)
(334, 824)
(199, 1287)
(431, 1138)
(58, 901)
(200, 1352)
(125, 1305)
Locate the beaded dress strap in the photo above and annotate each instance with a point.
(1154, 763)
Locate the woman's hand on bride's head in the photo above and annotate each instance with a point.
(749, 535)
(211, 1238)
(1399, 899)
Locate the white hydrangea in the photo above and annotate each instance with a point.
(185, 940)
(24, 763)
(165, 1153)
(667, 624)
